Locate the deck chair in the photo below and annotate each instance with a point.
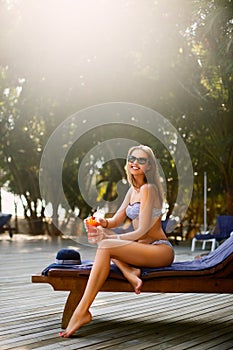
(223, 230)
(5, 224)
(212, 273)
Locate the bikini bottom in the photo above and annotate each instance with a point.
(162, 241)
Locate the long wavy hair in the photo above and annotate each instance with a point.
(152, 175)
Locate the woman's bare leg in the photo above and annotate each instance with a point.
(98, 275)
(132, 274)
(129, 253)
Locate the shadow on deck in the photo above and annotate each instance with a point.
(31, 314)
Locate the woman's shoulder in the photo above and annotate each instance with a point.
(148, 187)
(130, 190)
(128, 194)
(148, 190)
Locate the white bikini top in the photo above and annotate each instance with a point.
(132, 211)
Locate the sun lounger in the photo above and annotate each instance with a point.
(212, 273)
(5, 224)
(224, 229)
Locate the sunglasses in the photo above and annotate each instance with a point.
(140, 160)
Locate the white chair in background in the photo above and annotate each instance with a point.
(222, 231)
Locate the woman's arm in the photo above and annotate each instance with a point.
(120, 216)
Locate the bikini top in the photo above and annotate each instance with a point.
(132, 211)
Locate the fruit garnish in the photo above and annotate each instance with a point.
(92, 221)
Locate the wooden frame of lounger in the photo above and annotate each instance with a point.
(218, 279)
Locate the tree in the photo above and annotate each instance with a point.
(213, 47)
(172, 56)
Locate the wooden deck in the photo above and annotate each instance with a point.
(31, 313)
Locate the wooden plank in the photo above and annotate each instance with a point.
(31, 314)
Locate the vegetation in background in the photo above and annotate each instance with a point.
(175, 57)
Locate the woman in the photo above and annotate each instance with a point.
(146, 245)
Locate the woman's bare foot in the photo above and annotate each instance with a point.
(75, 323)
(135, 280)
(132, 274)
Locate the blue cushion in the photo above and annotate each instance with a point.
(206, 262)
(4, 218)
(204, 237)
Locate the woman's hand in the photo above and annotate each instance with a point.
(103, 222)
(93, 237)
(94, 230)
(97, 229)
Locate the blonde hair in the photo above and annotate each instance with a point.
(152, 175)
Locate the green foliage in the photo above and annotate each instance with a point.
(172, 56)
